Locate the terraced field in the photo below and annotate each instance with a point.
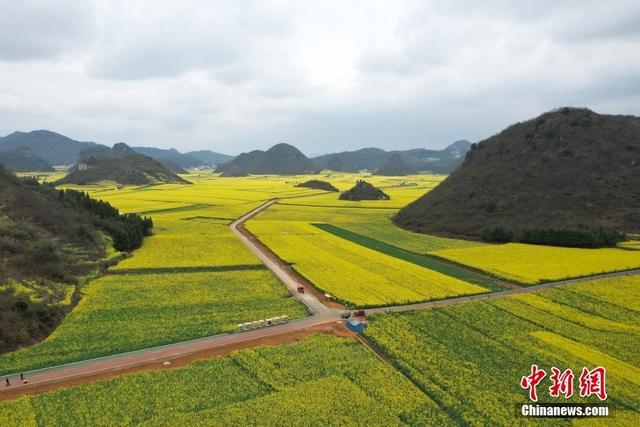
(530, 264)
(317, 381)
(469, 358)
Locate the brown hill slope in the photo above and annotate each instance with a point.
(563, 169)
(49, 239)
(281, 159)
(120, 164)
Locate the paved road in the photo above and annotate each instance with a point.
(322, 314)
(269, 260)
(156, 354)
(494, 295)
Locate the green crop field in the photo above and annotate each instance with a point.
(469, 358)
(317, 381)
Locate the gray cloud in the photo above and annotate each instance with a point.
(140, 40)
(34, 30)
(235, 75)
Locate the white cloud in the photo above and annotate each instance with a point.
(235, 75)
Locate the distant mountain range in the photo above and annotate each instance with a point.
(395, 166)
(53, 148)
(56, 149)
(120, 164)
(22, 159)
(172, 157)
(285, 159)
(281, 159)
(420, 159)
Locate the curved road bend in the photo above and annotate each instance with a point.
(322, 315)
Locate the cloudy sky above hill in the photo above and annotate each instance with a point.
(322, 75)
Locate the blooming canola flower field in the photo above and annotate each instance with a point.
(350, 272)
(193, 278)
(455, 365)
(317, 381)
(126, 312)
(530, 264)
(469, 358)
(353, 273)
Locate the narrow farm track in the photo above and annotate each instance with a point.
(325, 315)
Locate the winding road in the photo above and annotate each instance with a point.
(324, 312)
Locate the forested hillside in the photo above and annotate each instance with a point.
(49, 240)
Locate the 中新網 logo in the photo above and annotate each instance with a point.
(591, 382)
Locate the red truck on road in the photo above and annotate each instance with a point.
(359, 313)
(301, 289)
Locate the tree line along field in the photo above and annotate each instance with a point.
(320, 380)
(469, 358)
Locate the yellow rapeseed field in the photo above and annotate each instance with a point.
(321, 380)
(530, 264)
(469, 357)
(354, 273)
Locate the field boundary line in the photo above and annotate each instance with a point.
(418, 259)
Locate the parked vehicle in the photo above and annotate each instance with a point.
(346, 315)
(301, 289)
(359, 313)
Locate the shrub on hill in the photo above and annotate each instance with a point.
(316, 184)
(364, 191)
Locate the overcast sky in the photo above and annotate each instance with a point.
(323, 75)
